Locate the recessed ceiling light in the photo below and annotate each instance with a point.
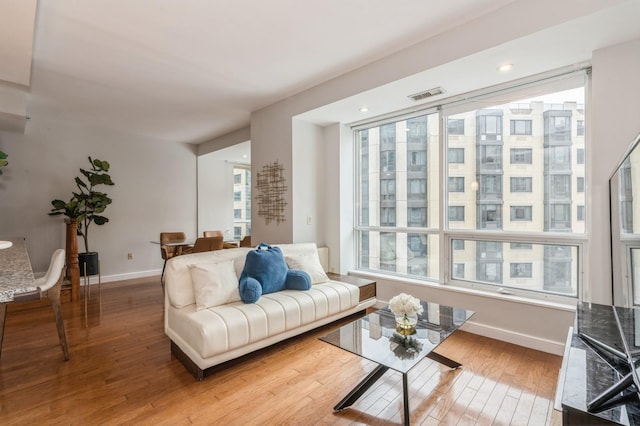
(244, 155)
(505, 67)
(364, 109)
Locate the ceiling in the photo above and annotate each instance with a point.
(193, 70)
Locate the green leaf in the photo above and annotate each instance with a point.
(58, 204)
(100, 220)
(80, 183)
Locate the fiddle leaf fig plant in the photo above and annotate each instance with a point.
(3, 160)
(87, 205)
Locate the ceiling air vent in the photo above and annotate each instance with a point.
(427, 94)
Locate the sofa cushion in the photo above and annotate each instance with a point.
(233, 325)
(178, 283)
(309, 263)
(214, 283)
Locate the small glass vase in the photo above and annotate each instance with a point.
(406, 324)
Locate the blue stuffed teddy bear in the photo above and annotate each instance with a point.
(265, 271)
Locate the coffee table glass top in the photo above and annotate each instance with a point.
(375, 338)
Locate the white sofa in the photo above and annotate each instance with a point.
(206, 337)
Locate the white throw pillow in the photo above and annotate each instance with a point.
(309, 263)
(214, 284)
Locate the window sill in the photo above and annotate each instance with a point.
(569, 306)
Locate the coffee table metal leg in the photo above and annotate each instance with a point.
(361, 388)
(405, 397)
(443, 360)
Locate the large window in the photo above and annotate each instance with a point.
(241, 202)
(512, 191)
(402, 195)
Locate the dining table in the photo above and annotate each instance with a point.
(17, 283)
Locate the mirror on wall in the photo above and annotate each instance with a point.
(224, 191)
(624, 190)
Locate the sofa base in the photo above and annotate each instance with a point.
(199, 374)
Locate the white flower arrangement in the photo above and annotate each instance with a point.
(405, 305)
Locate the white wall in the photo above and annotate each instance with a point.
(155, 190)
(215, 194)
(271, 140)
(309, 185)
(613, 125)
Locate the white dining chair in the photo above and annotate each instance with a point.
(49, 286)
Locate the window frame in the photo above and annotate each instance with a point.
(446, 234)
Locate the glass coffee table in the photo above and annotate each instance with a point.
(374, 337)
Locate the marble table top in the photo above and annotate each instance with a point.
(16, 275)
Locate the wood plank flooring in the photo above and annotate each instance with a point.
(121, 372)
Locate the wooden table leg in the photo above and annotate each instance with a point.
(53, 294)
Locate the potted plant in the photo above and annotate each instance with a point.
(86, 207)
(3, 160)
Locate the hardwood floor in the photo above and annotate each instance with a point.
(121, 371)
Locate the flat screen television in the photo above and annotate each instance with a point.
(624, 190)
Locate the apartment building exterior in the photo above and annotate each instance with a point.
(241, 202)
(516, 168)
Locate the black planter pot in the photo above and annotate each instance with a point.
(90, 261)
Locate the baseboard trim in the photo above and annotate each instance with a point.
(123, 277)
(528, 341)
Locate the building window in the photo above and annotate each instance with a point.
(455, 155)
(455, 126)
(580, 129)
(489, 125)
(490, 157)
(558, 126)
(520, 270)
(559, 158)
(241, 201)
(521, 184)
(387, 161)
(491, 186)
(580, 155)
(457, 271)
(520, 127)
(388, 189)
(521, 155)
(559, 217)
(417, 217)
(560, 186)
(456, 184)
(457, 244)
(490, 272)
(456, 213)
(417, 158)
(521, 213)
(417, 189)
(580, 213)
(388, 216)
(580, 184)
(388, 251)
(490, 216)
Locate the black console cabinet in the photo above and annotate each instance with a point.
(599, 384)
